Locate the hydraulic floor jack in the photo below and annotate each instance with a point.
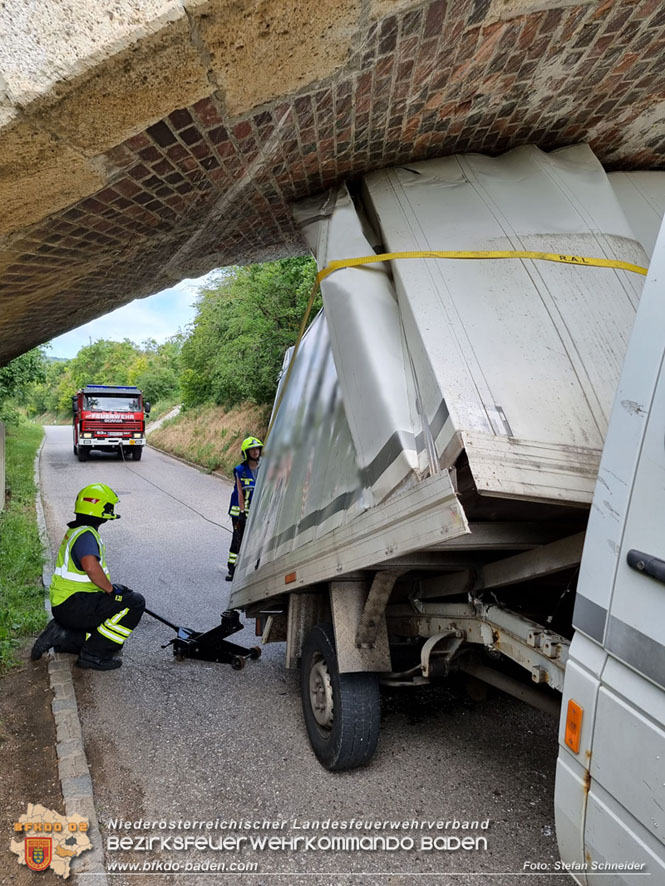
(210, 645)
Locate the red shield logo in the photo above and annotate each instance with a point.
(38, 852)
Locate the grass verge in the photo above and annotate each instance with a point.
(21, 592)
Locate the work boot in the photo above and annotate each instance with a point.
(72, 643)
(229, 576)
(52, 635)
(97, 663)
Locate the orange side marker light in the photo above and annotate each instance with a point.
(574, 726)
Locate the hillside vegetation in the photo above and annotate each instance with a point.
(223, 369)
(211, 436)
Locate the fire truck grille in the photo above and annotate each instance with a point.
(113, 427)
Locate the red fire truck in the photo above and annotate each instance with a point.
(110, 418)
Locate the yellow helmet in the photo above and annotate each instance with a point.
(250, 443)
(97, 500)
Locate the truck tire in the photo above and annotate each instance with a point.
(84, 453)
(342, 711)
(137, 452)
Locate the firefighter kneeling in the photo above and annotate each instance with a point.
(91, 616)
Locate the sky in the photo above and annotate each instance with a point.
(159, 316)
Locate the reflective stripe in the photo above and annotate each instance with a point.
(119, 615)
(115, 629)
(112, 624)
(121, 630)
(67, 570)
(71, 576)
(63, 572)
(74, 537)
(105, 632)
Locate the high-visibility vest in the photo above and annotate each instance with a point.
(67, 579)
(247, 481)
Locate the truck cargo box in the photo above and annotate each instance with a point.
(434, 397)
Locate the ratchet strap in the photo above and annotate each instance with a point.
(582, 260)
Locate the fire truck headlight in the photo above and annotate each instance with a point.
(87, 436)
(136, 435)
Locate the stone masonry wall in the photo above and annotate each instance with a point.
(140, 148)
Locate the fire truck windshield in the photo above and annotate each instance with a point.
(101, 403)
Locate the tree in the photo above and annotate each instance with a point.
(243, 326)
(16, 378)
(153, 368)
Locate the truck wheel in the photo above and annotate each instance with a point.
(137, 452)
(342, 711)
(84, 453)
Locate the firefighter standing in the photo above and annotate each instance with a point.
(245, 480)
(91, 616)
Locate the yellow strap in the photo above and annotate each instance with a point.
(492, 254)
(338, 264)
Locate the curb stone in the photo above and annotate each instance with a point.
(73, 770)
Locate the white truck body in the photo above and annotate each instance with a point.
(431, 468)
(509, 363)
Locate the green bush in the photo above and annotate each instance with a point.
(243, 326)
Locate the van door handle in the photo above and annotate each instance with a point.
(651, 566)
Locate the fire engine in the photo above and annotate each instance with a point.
(110, 418)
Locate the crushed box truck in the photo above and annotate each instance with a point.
(440, 492)
(109, 418)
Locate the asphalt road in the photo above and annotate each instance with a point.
(189, 741)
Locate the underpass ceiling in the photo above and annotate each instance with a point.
(141, 152)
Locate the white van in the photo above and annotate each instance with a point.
(610, 785)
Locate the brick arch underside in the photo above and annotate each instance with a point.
(199, 189)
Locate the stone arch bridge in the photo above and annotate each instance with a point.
(144, 142)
